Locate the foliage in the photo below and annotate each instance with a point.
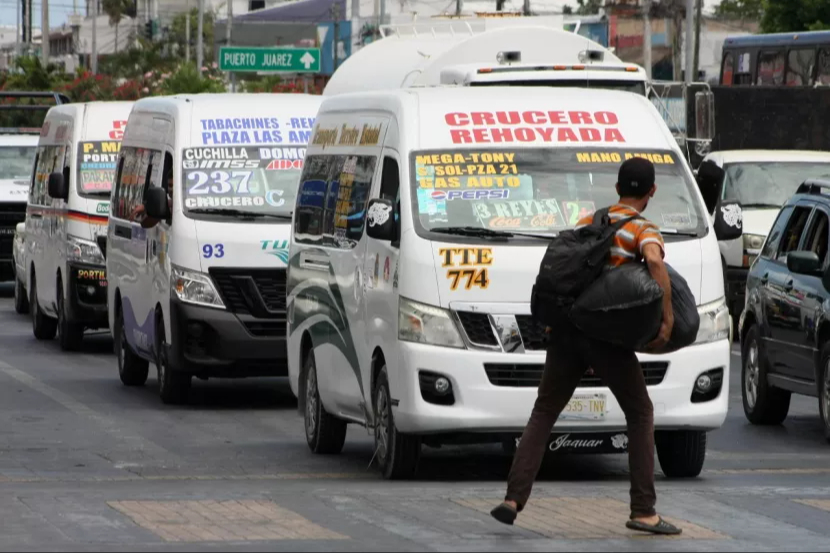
(177, 34)
(589, 7)
(90, 88)
(275, 83)
(567, 10)
(116, 9)
(31, 75)
(740, 9)
(782, 16)
(134, 62)
(186, 80)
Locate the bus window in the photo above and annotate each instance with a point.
(743, 76)
(728, 69)
(771, 68)
(800, 64)
(824, 66)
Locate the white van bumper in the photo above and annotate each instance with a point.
(480, 406)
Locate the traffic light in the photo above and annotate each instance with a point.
(148, 30)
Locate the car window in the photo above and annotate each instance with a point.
(771, 247)
(800, 67)
(795, 228)
(817, 236)
(771, 68)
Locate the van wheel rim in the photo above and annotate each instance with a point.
(751, 375)
(381, 424)
(826, 394)
(311, 403)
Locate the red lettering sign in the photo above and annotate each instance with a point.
(503, 127)
(117, 132)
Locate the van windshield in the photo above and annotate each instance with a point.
(96, 167)
(541, 191)
(16, 162)
(229, 181)
(769, 184)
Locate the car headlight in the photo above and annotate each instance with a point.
(84, 251)
(752, 247)
(714, 322)
(196, 288)
(427, 324)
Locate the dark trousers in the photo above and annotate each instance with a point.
(569, 356)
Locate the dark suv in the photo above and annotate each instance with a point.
(785, 325)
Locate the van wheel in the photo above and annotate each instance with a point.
(132, 369)
(70, 335)
(397, 454)
(824, 390)
(43, 326)
(763, 404)
(681, 453)
(21, 302)
(174, 386)
(324, 433)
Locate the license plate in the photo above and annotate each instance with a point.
(585, 407)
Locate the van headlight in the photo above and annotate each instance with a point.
(752, 247)
(196, 288)
(426, 324)
(714, 322)
(83, 251)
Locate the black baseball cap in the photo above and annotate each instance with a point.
(636, 178)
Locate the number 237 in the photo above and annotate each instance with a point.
(209, 251)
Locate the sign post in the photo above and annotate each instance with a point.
(273, 60)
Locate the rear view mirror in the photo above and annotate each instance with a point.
(804, 263)
(705, 115)
(58, 188)
(380, 218)
(155, 204)
(729, 221)
(710, 182)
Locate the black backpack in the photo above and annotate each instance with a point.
(574, 259)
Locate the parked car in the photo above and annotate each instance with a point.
(785, 325)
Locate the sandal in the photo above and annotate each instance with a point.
(505, 514)
(662, 528)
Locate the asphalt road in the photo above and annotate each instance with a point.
(87, 464)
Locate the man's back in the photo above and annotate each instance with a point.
(632, 237)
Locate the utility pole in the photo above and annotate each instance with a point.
(526, 8)
(44, 33)
(698, 22)
(200, 39)
(690, 38)
(187, 34)
(93, 64)
(17, 31)
(382, 19)
(335, 40)
(228, 25)
(647, 37)
(459, 6)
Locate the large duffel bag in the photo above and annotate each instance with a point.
(686, 316)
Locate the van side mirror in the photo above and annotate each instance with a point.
(380, 217)
(705, 115)
(804, 263)
(155, 204)
(102, 244)
(58, 188)
(729, 221)
(710, 182)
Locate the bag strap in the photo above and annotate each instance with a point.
(600, 215)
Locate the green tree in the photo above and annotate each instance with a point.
(567, 10)
(783, 16)
(186, 80)
(589, 7)
(178, 34)
(138, 60)
(116, 10)
(740, 9)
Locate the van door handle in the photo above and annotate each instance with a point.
(314, 263)
(124, 232)
(35, 215)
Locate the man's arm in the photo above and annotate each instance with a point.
(653, 254)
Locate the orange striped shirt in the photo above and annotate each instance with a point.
(632, 237)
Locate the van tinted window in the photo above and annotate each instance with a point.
(311, 199)
(139, 169)
(50, 159)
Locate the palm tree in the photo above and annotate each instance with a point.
(116, 9)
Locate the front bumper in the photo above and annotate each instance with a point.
(86, 298)
(211, 342)
(482, 407)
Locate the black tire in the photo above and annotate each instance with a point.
(681, 453)
(21, 302)
(397, 454)
(763, 404)
(70, 335)
(824, 390)
(132, 369)
(43, 326)
(324, 433)
(174, 386)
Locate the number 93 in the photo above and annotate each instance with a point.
(209, 251)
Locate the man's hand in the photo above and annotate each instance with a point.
(653, 255)
(137, 212)
(663, 336)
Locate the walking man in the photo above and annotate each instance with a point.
(570, 354)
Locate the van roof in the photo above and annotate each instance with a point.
(97, 120)
(517, 116)
(772, 156)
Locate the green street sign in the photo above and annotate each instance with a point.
(276, 60)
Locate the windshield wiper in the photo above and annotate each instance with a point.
(486, 233)
(237, 213)
(762, 205)
(675, 232)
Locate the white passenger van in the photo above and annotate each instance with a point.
(410, 270)
(67, 211)
(197, 281)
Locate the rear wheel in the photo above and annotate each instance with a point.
(397, 454)
(681, 453)
(324, 433)
(132, 369)
(21, 302)
(824, 390)
(43, 326)
(763, 403)
(70, 335)
(174, 386)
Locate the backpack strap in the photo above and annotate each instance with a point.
(603, 215)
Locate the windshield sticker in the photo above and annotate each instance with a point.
(575, 211)
(348, 135)
(481, 169)
(675, 220)
(96, 164)
(619, 157)
(533, 126)
(520, 214)
(236, 177)
(256, 130)
(469, 195)
(467, 266)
